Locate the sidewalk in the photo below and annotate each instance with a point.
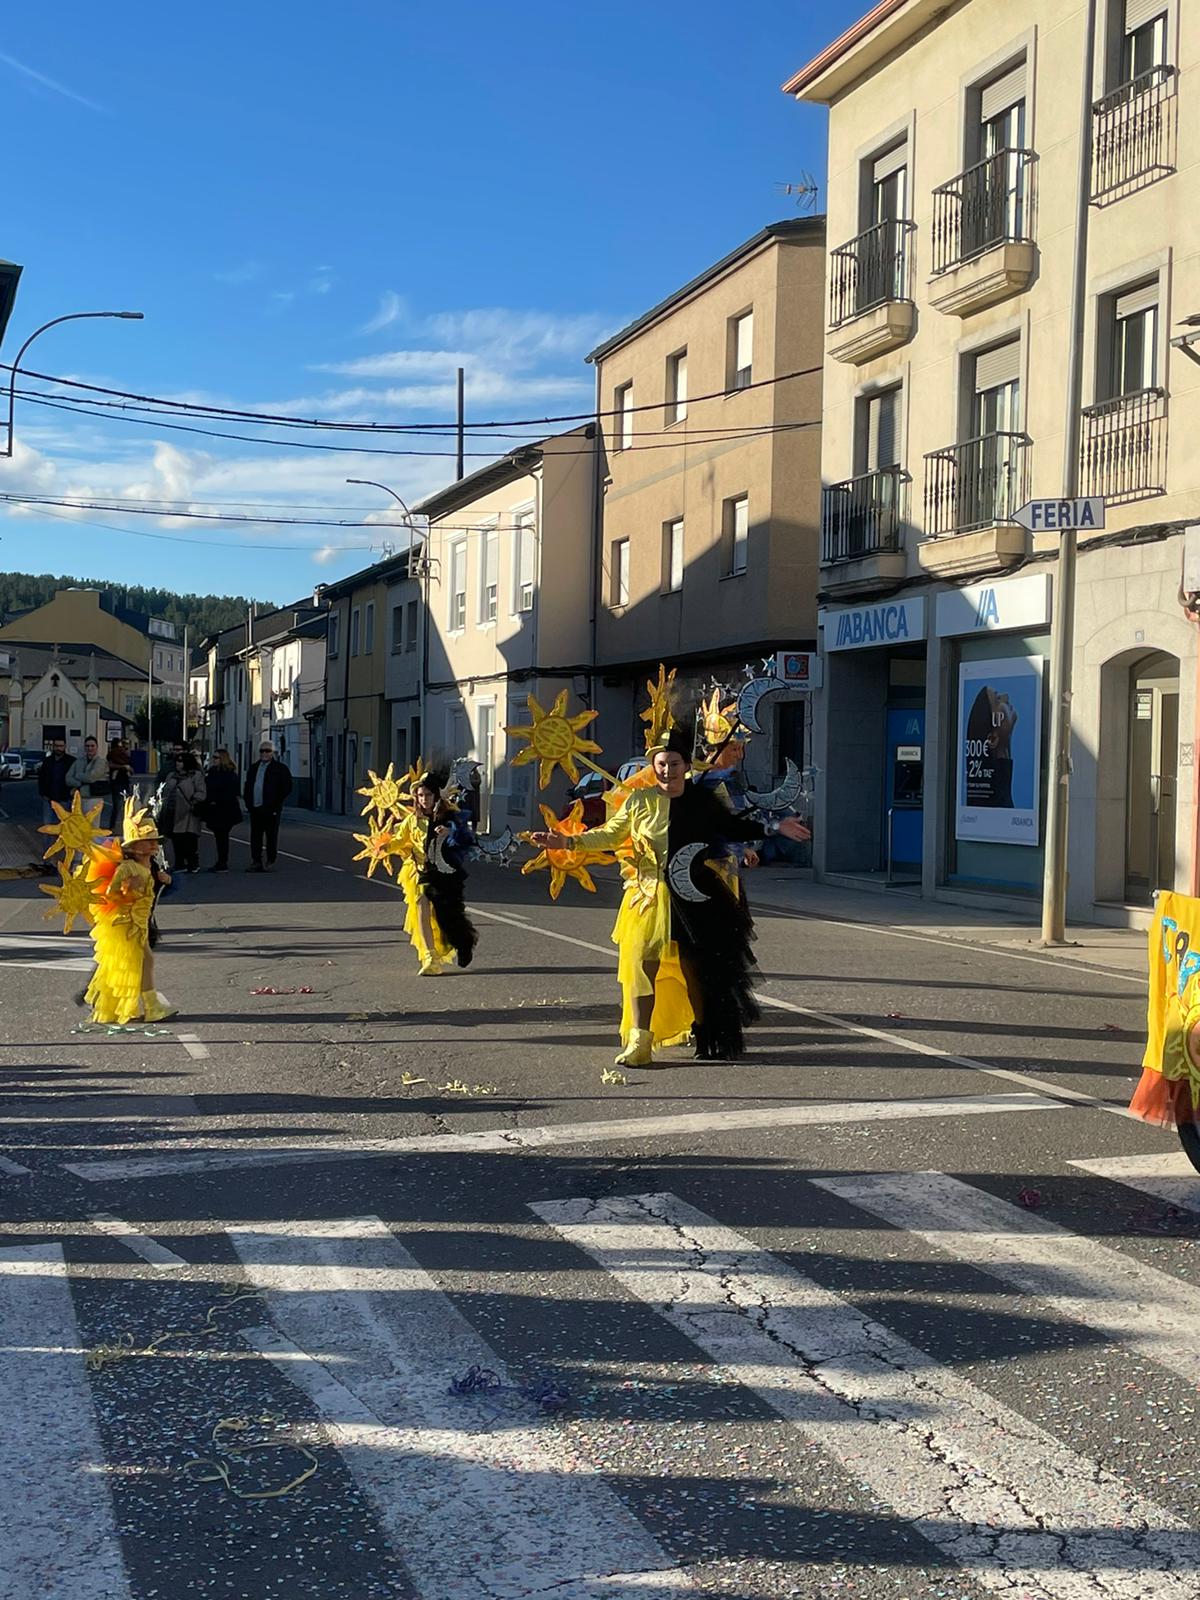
(21, 849)
(1114, 949)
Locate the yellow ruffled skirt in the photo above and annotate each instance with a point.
(642, 933)
(115, 992)
(411, 884)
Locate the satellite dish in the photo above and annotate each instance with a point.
(679, 871)
(782, 798)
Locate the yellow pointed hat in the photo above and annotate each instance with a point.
(138, 825)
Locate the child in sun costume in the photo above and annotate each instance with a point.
(112, 888)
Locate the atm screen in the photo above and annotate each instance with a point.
(908, 775)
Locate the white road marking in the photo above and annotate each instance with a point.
(191, 1043)
(148, 1249)
(1170, 1176)
(473, 1509)
(13, 1169)
(1086, 1283)
(328, 868)
(219, 1156)
(57, 1528)
(1009, 1504)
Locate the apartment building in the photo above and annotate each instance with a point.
(509, 609)
(955, 140)
(708, 516)
(232, 683)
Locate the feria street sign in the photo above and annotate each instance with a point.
(1085, 515)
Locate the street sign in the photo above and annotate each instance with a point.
(1086, 515)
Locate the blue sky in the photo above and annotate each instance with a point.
(324, 210)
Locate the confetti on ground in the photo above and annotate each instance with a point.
(269, 989)
(457, 1086)
(1030, 1199)
(546, 1393)
(226, 1457)
(408, 1079)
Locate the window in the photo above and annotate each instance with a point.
(741, 350)
(624, 410)
(331, 644)
(458, 585)
(369, 629)
(355, 630)
(368, 763)
(1132, 340)
(410, 627)
(996, 400)
(677, 386)
(737, 533)
(414, 738)
(524, 561)
(519, 780)
(485, 751)
(458, 732)
(489, 574)
(1143, 38)
(620, 573)
(397, 628)
(673, 556)
(877, 444)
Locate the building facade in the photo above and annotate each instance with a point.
(954, 153)
(81, 620)
(508, 609)
(50, 692)
(709, 485)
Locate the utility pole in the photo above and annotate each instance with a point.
(459, 384)
(186, 683)
(150, 703)
(1062, 636)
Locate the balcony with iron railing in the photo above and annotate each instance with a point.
(983, 233)
(1123, 448)
(973, 491)
(862, 530)
(1133, 135)
(870, 292)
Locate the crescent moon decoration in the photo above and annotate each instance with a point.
(496, 849)
(748, 701)
(436, 856)
(679, 871)
(782, 798)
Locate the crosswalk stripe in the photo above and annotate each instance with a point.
(148, 1249)
(473, 1509)
(13, 1169)
(1005, 1501)
(1146, 1310)
(58, 1536)
(221, 1155)
(1169, 1176)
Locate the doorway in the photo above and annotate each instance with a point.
(1152, 777)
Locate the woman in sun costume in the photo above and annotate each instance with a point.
(434, 840)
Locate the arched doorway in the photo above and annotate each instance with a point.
(1152, 781)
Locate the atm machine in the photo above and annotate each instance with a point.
(904, 791)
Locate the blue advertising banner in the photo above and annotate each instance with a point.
(999, 750)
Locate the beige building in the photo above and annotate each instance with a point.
(508, 609)
(65, 692)
(710, 483)
(79, 620)
(954, 149)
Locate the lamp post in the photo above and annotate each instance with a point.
(71, 316)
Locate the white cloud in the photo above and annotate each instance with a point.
(392, 308)
(51, 83)
(246, 272)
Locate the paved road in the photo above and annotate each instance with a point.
(813, 1342)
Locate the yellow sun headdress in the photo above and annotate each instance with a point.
(554, 740)
(138, 825)
(657, 715)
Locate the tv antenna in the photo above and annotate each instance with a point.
(804, 192)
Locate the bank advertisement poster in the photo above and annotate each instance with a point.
(999, 750)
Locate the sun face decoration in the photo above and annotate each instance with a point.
(719, 723)
(75, 832)
(382, 847)
(73, 897)
(564, 864)
(382, 794)
(657, 715)
(554, 740)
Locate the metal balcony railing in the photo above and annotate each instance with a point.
(1123, 450)
(870, 270)
(991, 203)
(976, 484)
(1132, 133)
(864, 516)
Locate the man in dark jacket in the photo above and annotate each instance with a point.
(52, 779)
(268, 784)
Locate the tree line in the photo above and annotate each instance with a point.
(201, 613)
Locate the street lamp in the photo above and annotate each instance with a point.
(71, 316)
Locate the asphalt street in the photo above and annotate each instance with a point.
(902, 1306)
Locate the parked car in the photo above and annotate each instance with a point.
(590, 789)
(12, 764)
(33, 760)
(628, 768)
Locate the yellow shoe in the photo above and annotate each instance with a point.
(431, 969)
(639, 1051)
(155, 1007)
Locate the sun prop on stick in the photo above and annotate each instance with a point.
(554, 741)
(564, 864)
(657, 715)
(75, 832)
(382, 794)
(72, 897)
(381, 848)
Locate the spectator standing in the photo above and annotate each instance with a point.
(89, 773)
(181, 810)
(268, 784)
(120, 784)
(222, 810)
(52, 779)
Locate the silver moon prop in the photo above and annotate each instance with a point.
(494, 849)
(748, 700)
(436, 856)
(679, 871)
(782, 798)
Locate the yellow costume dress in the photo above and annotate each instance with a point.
(453, 932)
(642, 932)
(122, 987)
(411, 839)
